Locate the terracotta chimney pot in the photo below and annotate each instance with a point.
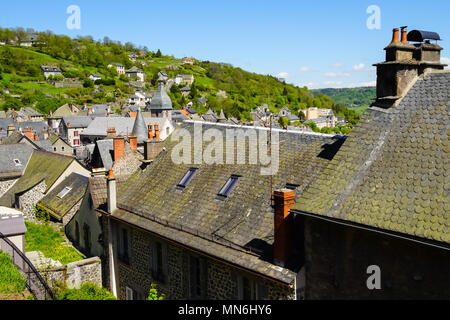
(150, 131)
(395, 36)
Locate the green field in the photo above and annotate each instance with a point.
(11, 280)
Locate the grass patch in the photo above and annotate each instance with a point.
(11, 280)
(360, 110)
(87, 291)
(44, 238)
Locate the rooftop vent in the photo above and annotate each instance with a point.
(423, 36)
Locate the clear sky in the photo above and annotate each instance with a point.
(315, 43)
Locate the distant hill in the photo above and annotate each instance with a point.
(358, 99)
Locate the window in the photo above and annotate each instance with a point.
(87, 239)
(54, 149)
(76, 134)
(17, 162)
(76, 142)
(129, 293)
(186, 178)
(62, 148)
(250, 289)
(123, 246)
(64, 192)
(226, 189)
(197, 277)
(159, 263)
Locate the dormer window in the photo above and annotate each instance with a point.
(64, 192)
(186, 178)
(292, 186)
(226, 189)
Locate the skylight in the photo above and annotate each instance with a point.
(292, 186)
(64, 192)
(186, 178)
(226, 189)
(17, 162)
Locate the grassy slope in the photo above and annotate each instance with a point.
(358, 99)
(11, 280)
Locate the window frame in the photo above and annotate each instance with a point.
(124, 250)
(60, 195)
(186, 179)
(226, 189)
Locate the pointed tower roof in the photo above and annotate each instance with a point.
(161, 100)
(140, 128)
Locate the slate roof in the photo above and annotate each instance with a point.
(42, 165)
(392, 173)
(50, 69)
(103, 154)
(63, 111)
(11, 222)
(160, 100)
(58, 207)
(78, 122)
(140, 128)
(21, 152)
(225, 228)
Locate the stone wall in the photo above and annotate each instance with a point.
(337, 258)
(28, 199)
(69, 215)
(5, 185)
(76, 273)
(68, 84)
(221, 278)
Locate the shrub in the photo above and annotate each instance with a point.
(87, 291)
(153, 293)
(41, 213)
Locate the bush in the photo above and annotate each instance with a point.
(11, 280)
(153, 293)
(41, 213)
(87, 291)
(88, 83)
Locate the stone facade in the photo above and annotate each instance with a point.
(27, 200)
(337, 258)
(76, 273)
(5, 185)
(69, 215)
(219, 280)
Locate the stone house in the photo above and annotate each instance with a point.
(386, 212)
(65, 199)
(48, 71)
(67, 110)
(187, 79)
(120, 68)
(207, 231)
(71, 128)
(161, 104)
(44, 171)
(95, 77)
(135, 72)
(12, 226)
(60, 146)
(13, 162)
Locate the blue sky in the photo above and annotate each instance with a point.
(315, 43)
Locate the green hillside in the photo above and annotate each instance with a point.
(232, 89)
(358, 99)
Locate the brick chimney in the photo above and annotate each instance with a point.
(28, 132)
(156, 131)
(119, 148)
(284, 226)
(111, 131)
(68, 124)
(11, 129)
(404, 63)
(133, 142)
(111, 189)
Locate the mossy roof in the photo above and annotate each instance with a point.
(392, 173)
(245, 218)
(57, 206)
(42, 165)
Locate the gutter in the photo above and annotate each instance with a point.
(373, 229)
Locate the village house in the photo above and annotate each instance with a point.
(207, 232)
(95, 77)
(161, 104)
(382, 203)
(120, 68)
(44, 171)
(60, 146)
(51, 71)
(12, 226)
(285, 112)
(67, 110)
(64, 200)
(13, 162)
(185, 91)
(71, 128)
(135, 72)
(190, 60)
(187, 79)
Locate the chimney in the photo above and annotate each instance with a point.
(150, 131)
(133, 142)
(404, 63)
(156, 131)
(11, 129)
(68, 124)
(89, 111)
(119, 148)
(111, 188)
(111, 131)
(152, 148)
(284, 226)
